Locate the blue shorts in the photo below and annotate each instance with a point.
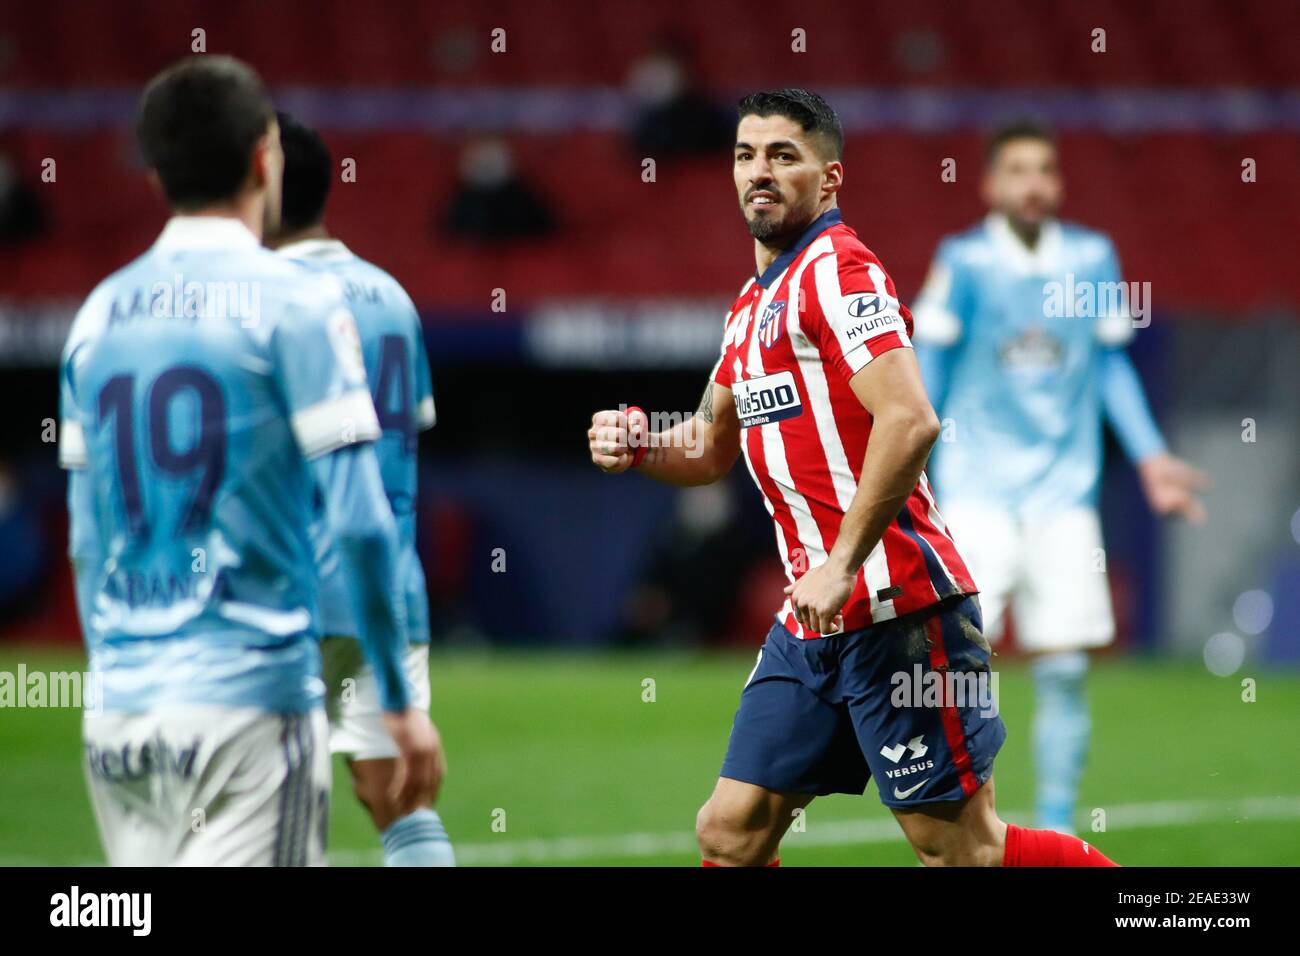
(910, 701)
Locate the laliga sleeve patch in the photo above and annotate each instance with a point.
(346, 342)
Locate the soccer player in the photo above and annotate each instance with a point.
(208, 389)
(817, 385)
(392, 342)
(1021, 330)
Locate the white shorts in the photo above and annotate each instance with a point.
(209, 786)
(356, 716)
(1050, 569)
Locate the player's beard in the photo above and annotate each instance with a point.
(1027, 224)
(777, 231)
(1028, 216)
(766, 228)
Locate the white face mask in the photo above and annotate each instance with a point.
(656, 80)
(487, 163)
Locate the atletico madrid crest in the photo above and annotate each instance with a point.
(769, 326)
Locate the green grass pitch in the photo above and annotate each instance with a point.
(556, 759)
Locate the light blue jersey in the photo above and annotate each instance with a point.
(1022, 352)
(208, 389)
(397, 368)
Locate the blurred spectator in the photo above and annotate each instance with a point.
(673, 117)
(21, 215)
(696, 577)
(492, 202)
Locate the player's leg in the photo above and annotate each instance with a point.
(414, 839)
(924, 706)
(787, 745)
(968, 832)
(262, 796)
(742, 824)
(932, 755)
(358, 732)
(964, 832)
(1062, 728)
(1064, 610)
(210, 786)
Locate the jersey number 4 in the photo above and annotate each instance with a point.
(206, 454)
(395, 412)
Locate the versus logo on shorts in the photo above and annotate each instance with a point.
(769, 325)
(771, 398)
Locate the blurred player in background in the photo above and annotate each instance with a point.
(392, 341)
(818, 386)
(207, 389)
(1022, 385)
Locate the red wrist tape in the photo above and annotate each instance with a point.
(639, 453)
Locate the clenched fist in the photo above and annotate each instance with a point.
(611, 438)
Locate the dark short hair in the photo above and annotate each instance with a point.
(199, 121)
(813, 114)
(1013, 131)
(307, 174)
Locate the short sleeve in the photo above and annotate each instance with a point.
(319, 365)
(939, 306)
(854, 314)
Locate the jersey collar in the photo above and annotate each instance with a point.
(1040, 260)
(819, 225)
(315, 249)
(205, 232)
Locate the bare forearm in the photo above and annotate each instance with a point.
(896, 454)
(694, 452)
(681, 455)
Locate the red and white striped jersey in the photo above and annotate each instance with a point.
(795, 336)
